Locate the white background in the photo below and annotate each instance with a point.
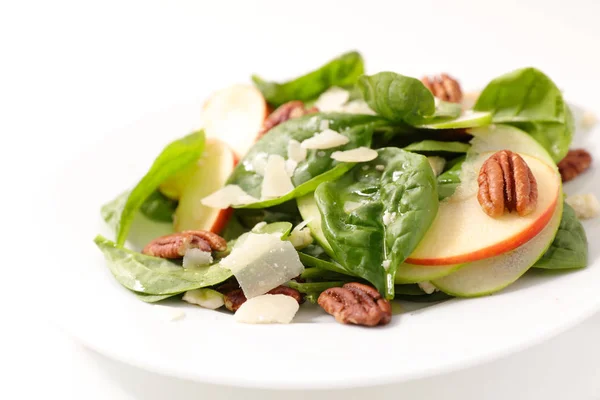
(73, 73)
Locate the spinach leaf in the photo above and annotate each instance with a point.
(436, 146)
(156, 276)
(319, 274)
(449, 180)
(397, 97)
(529, 100)
(341, 71)
(325, 264)
(569, 249)
(314, 287)
(318, 167)
(176, 156)
(378, 213)
(159, 207)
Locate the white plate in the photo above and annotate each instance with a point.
(314, 351)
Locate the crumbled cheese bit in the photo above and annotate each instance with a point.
(361, 154)
(380, 167)
(386, 264)
(196, 258)
(261, 262)
(365, 168)
(327, 139)
(350, 206)
(259, 163)
(290, 167)
(586, 206)
(332, 100)
(324, 125)
(437, 164)
(428, 287)
(259, 226)
(230, 195)
(357, 107)
(206, 298)
(388, 217)
(170, 314)
(300, 238)
(321, 153)
(276, 182)
(268, 309)
(295, 151)
(588, 120)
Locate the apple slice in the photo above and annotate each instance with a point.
(208, 175)
(235, 115)
(491, 275)
(410, 273)
(310, 213)
(468, 119)
(463, 232)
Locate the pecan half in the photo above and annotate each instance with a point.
(176, 244)
(356, 303)
(575, 163)
(235, 298)
(289, 110)
(444, 87)
(506, 183)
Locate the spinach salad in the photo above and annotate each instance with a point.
(353, 190)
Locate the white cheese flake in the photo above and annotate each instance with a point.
(324, 125)
(267, 309)
(437, 164)
(357, 107)
(300, 238)
(388, 217)
(586, 206)
(259, 226)
(259, 164)
(380, 167)
(327, 139)
(196, 258)
(290, 167)
(261, 262)
(361, 154)
(230, 195)
(386, 264)
(276, 182)
(332, 100)
(206, 298)
(428, 287)
(295, 151)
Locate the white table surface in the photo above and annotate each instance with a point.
(74, 72)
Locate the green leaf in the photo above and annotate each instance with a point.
(159, 207)
(318, 167)
(569, 250)
(397, 97)
(379, 212)
(326, 264)
(319, 274)
(176, 156)
(449, 180)
(529, 100)
(153, 275)
(341, 71)
(436, 146)
(314, 287)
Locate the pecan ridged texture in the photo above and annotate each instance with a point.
(444, 87)
(356, 303)
(176, 244)
(506, 183)
(289, 110)
(234, 299)
(575, 163)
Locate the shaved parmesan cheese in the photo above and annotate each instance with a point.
(386, 264)
(332, 99)
(259, 164)
(324, 125)
(295, 151)
(262, 262)
(259, 226)
(196, 258)
(290, 167)
(428, 287)
(388, 217)
(206, 298)
(276, 182)
(437, 164)
(360, 154)
(300, 238)
(357, 107)
(268, 309)
(230, 195)
(586, 206)
(327, 139)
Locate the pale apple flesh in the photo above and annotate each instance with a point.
(235, 115)
(410, 273)
(462, 232)
(209, 175)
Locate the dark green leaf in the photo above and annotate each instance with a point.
(314, 287)
(157, 276)
(436, 146)
(379, 211)
(318, 167)
(529, 100)
(449, 180)
(341, 71)
(569, 249)
(159, 207)
(325, 264)
(176, 156)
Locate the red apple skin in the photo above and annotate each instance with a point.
(499, 248)
(224, 215)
